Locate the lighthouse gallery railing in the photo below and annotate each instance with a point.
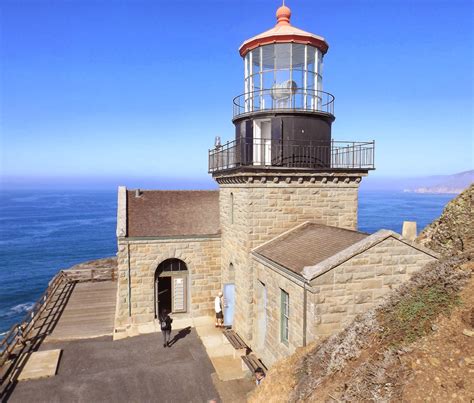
(260, 153)
(279, 98)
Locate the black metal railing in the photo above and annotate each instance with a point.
(284, 99)
(316, 155)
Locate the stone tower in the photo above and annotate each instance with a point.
(283, 167)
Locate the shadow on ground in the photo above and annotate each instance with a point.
(132, 369)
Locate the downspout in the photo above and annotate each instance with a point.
(129, 283)
(305, 302)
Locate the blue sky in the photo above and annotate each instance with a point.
(101, 93)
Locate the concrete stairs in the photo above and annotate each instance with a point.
(227, 363)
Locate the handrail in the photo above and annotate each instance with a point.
(278, 98)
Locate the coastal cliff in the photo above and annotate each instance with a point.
(448, 184)
(453, 231)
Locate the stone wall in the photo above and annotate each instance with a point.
(264, 207)
(266, 341)
(359, 283)
(334, 299)
(202, 258)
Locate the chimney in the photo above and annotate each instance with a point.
(138, 193)
(409, 230)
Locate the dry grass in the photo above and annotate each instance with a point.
(282, 379)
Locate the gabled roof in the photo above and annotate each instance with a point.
(308, 244)
(312, 271)
(160, 213)
(311, 250)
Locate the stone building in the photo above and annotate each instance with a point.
(280, 235)
(169, 249)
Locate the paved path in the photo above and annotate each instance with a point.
(133, 369)
(89, 312)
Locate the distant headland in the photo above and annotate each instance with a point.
(454, 184)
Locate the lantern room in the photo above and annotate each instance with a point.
(283, 70)
(283, 118)
(282, 76)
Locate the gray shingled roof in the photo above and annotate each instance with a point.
(157, 213)
(307, 245)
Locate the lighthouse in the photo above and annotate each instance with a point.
(284, 117)
(283, 167)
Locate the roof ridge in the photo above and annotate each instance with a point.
(340, 228)
(283, 235)
(311, 272)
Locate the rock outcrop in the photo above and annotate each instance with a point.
(103, 263)
(452, 232)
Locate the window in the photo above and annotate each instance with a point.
(172, 265)
(285, 316)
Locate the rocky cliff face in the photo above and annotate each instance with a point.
(453, 231)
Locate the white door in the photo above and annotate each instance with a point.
(262, 142)
(229, 302)
(267, 142)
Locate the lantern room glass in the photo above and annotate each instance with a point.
(283, 75)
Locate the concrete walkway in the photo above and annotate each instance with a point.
(133, 369)
(227, 364)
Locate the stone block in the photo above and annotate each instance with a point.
(343, 278)
(383, 271)
(362, 297)
(337, 309)
(325, 279)
(365, 273)
(375, 259)
(331, 318)
(399, 270)
(391, 280)
(371, 284)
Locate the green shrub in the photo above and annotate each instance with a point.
(415, 313)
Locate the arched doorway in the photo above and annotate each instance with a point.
(171, 279)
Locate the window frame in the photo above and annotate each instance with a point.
(284, 316)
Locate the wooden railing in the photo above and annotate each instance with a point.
(13, 344)
(18, 332)
(97, 274)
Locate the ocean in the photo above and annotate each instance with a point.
(43, 231)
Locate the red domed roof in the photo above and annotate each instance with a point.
(283, 32)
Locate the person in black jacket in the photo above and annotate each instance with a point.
(165, 324)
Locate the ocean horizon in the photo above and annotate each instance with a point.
(44, 231)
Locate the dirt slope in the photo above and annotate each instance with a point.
(442, 365)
